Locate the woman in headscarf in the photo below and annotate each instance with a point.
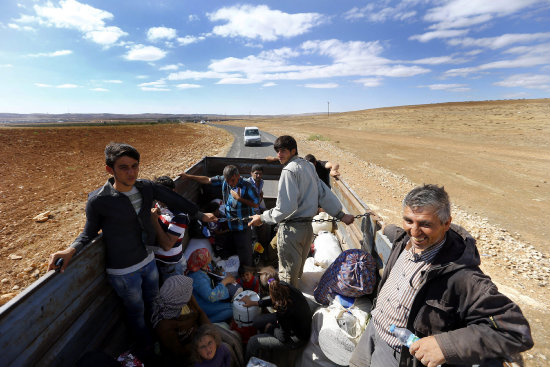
(176, 318)
(210, 296)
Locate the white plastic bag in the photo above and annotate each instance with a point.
(341, 331)
(327, 249)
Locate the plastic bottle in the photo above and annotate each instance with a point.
(405, 336)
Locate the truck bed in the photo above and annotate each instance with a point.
(62, 316)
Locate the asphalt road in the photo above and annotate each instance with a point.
(239, 150)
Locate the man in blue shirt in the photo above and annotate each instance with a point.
(240, 200)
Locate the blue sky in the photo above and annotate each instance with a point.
(271, 57)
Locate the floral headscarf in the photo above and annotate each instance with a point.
(174, 294)
(198, 258)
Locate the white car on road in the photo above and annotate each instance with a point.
(252, 136)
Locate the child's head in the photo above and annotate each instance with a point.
(280, 294)
(213, 207)
(246, 273)
(206, 341)
(266, 273)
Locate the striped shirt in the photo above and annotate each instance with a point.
(176, 226)
(233, 208)
(135, 198)
(397, 295)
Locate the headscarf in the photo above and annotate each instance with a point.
(174, 294)
(198, 259)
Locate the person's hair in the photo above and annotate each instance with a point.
(310, 158)
(257, 167)
(165, 181)
(230, 171)
(114, 151)
(245, 268)
(280, 295)
(285, 142)
(266, 273)
(205, 330)
(430, 196)
(211, 207)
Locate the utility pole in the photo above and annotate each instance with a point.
(328, 109)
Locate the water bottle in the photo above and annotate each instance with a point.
(405, 336)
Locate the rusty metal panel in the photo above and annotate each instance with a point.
(48, 308)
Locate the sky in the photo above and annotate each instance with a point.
(270, 57)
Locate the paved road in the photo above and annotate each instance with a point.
(240, 151)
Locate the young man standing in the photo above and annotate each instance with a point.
(300, 194)
(121, 209)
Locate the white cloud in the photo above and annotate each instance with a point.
(187, 86)
(20, 28)
(531, 81)
(6, 65)
(528, 56)
(105, 36)
(269, 84)
(322, 85)
(52, 54)
(99, 90)
(260, 22)
(156, 86)
(370, 82)
(113, 81)
(465, 13)
(379, 12)
(192, 18)
(346, 59)
(145, 53)
(500, 41)
(155, 34)
(515, 95)
(187, 40)
(447, 87)
(149, 89)
(72, 14)
(158, 83)
(444, 33)
(67, 86)
(198, 75)
(42, 85)
(142, 76)
(170, 67)
(438, 60)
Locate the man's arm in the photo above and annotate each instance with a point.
(164, 239)
(200, 179)
(495, 326)
(237, 196)
(287, 199)
(178, 204)
(330, 203)
(91, 229)
(333, 167)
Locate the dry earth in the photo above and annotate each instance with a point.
(493, 158)
(54, 169)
